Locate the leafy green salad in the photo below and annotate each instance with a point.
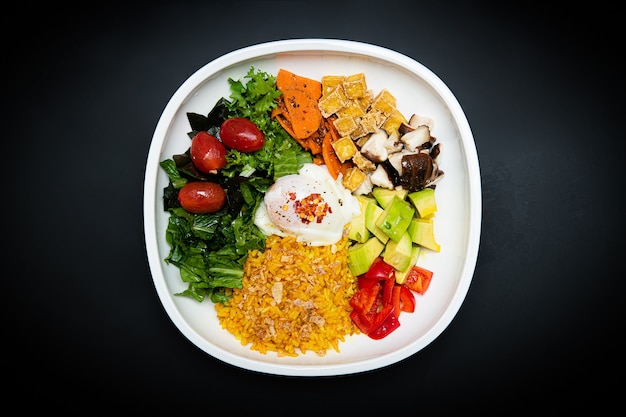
(211, 249)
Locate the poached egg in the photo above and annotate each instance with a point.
(310, 205)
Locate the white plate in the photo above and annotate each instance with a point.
(457, 222)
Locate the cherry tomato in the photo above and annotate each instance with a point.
(208, 154)
(202, 197)
(241, 134)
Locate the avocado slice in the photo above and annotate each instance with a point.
(396, 218)
(399, 254)
(357, 230)
(422, 232)
(385, 196)
(362, 255)
(401, 275)
(424, 201)
(372, 213)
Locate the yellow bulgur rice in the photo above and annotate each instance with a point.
(294, 299)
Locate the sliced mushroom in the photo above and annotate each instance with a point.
(405, 128)
(414, 139)
(393, 143)
(374, 149)
(380, 178)
(435, 151)
(417, 170)
(395, 160)
(437, 175)
(417, 120)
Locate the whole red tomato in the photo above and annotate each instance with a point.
(202, 197)
(208, 154)
(241, 134)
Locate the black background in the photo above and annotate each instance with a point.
(541, 326)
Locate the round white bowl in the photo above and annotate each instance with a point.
(457, 222)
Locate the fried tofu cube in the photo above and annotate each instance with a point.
(352, 109)
(372, 121)
(361, 141)
(329, 82)
(344, 148)
(345, 125)
(358, 133)
(384, 102)
(355, 85)
(332, 102)
(366, 100)
(353, 178)
(363, 163)
(395, 119)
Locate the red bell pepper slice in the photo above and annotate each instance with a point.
(378, 301)
(418, 279)
(381, 316)
(388, 284)
(385, 323)
(362, 321)
(364, 282)
(365, 319)
(395, 299)
(402, 299)
(406, 299)
(365, 298)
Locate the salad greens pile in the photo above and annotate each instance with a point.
(211, 249)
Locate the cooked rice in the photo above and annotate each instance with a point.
(295, 298)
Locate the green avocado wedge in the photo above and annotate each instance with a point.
(396, 218)
(362, 255)
(399, 254)
(358, 231)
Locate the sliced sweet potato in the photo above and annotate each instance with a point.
(331, 160)
(303, 112)
(299, 104)
(315, 143)
(286, 79)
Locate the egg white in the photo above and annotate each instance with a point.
(277, 213)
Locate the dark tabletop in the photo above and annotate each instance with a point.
(542, 322)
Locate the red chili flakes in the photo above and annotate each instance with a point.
(312, 208)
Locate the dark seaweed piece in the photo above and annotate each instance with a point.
(198, 122)
(234, 197)
(210, 123)
(170, 197)
(218, 113)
